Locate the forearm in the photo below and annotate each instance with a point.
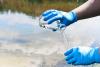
(89, 9)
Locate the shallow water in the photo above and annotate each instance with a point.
(24, 44)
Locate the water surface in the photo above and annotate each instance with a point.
(24, 44)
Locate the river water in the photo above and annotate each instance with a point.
(24, 44)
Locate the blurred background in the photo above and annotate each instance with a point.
(24, 44)
(35, 7)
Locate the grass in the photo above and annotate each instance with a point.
(58, 5)
(35, 9)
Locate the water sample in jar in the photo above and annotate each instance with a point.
(55, 26)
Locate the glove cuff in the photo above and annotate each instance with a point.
(97, 55)
(74, 15)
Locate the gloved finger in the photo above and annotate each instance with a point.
(55, 18)
(62, 26)
(70, 56)
(51, 15)
(76, 63)
(68, 52)
(64, 23)
(71, 61)
(48, 12)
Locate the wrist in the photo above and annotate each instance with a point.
(74, 16)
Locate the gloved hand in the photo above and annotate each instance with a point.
(82, 56)
(65, 18)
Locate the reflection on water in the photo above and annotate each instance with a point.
(25, 44)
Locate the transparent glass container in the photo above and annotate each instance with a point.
(55, 26)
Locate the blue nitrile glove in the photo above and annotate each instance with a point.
(82, 56)
(65, 18)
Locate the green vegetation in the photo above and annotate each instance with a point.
(81, 1)
(36, 7)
